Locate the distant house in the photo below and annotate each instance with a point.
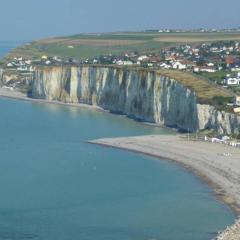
(125, 63)
(9, 65)
(235, 69)
(236, 109)
(205, 69)
(22, 69)
(142, 58)
(230, 60)
(178, 65)
(28, 62)
(232, 81)
(210, 64)
(165, 66)
(150, 64)
(95, 61)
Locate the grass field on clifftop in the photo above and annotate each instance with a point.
(83, 46)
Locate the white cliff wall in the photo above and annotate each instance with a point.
(144, 95)
(222, 122)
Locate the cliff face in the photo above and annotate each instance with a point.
(222, 122)
(1, 75)
(140, 94)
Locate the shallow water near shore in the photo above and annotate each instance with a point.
(54, 185)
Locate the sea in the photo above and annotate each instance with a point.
(56, 186)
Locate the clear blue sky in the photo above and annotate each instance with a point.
(33, 19)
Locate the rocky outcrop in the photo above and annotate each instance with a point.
(1, 76)
(222, 122)
(141, 94)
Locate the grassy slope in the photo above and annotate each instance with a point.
(205, 89)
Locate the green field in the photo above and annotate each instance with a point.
(84, 46)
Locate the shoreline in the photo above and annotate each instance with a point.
(218, 190)
(205, 160)
(16, 95)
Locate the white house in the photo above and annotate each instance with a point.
(236, 109)
(144, 57)
(179, 65)
(95, 61)
(165, 65)
(210, 64)
(9, 65)
(125, 63)
(28, 62)
(235, 69)
(22, 69)
(207, 69)
(232, 81)
(196, 69)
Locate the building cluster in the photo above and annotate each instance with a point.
(200, 30)
(20, 64)
(208, 58)
(223, 140)
(26, 65)
(221, 57)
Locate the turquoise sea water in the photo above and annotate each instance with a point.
(54, 185)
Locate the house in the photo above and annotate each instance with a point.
(22, 69)
(232, 81)
(230, 60)
(236, 109)
(196, 69)
(28, 62)
(95, 61)
(210, 64)
(165, 66)
(9, 65)
(125, 63)
(235, 69)
(178, 65)
(205, 69)
(142, 58)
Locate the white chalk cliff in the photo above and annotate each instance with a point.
(141, 94)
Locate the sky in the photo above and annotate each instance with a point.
(35, 19)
